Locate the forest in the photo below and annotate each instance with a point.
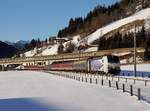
(101, 16)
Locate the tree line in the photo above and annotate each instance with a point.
(38, 43)
(127, 41)
(101, 16)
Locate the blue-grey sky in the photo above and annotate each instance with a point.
(27, 19)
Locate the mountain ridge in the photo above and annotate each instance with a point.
(101, 16)
(7, 51)
(18, 45)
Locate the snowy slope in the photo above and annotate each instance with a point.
(50, 50)
(37, 91)
(30, 53)
(141, 15)
(77, 40)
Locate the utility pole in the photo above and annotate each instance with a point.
(135, 52)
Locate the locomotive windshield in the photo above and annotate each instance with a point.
(113, 59)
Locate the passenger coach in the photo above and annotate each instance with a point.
(105, 64)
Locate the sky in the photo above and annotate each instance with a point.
(28, 19)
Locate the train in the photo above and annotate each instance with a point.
(106, 64)
(34, 67)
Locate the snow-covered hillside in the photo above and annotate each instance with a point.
(37, 91)
(50, 50)
(77, 40)
(141, 15)
(30, 53)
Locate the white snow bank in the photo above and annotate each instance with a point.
(60, 94)
(140, 67)
(76, 39)
(141, 15)
(30, 53)
(121, 54)
(51, 50)
(91, 49)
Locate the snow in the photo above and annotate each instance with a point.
(143, 70)
(136, 82)
(141, 15)
(37, 91)
(91, 49)
(30, 53)
(137, 29)
(147, 23)
(51, 50)
(76, 39)
(140, 67)
(122, 54)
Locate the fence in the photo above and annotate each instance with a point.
(130, 85)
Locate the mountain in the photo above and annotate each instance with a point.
(18, 45)
(126, 25)
(118, 34)
(104, 28)
(101, 16)
(7, 50)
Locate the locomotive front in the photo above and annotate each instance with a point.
(113, 64)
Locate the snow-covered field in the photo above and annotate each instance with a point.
(37, 91)
(142, 69)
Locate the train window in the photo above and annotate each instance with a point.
(116, 58)
(113, 59)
